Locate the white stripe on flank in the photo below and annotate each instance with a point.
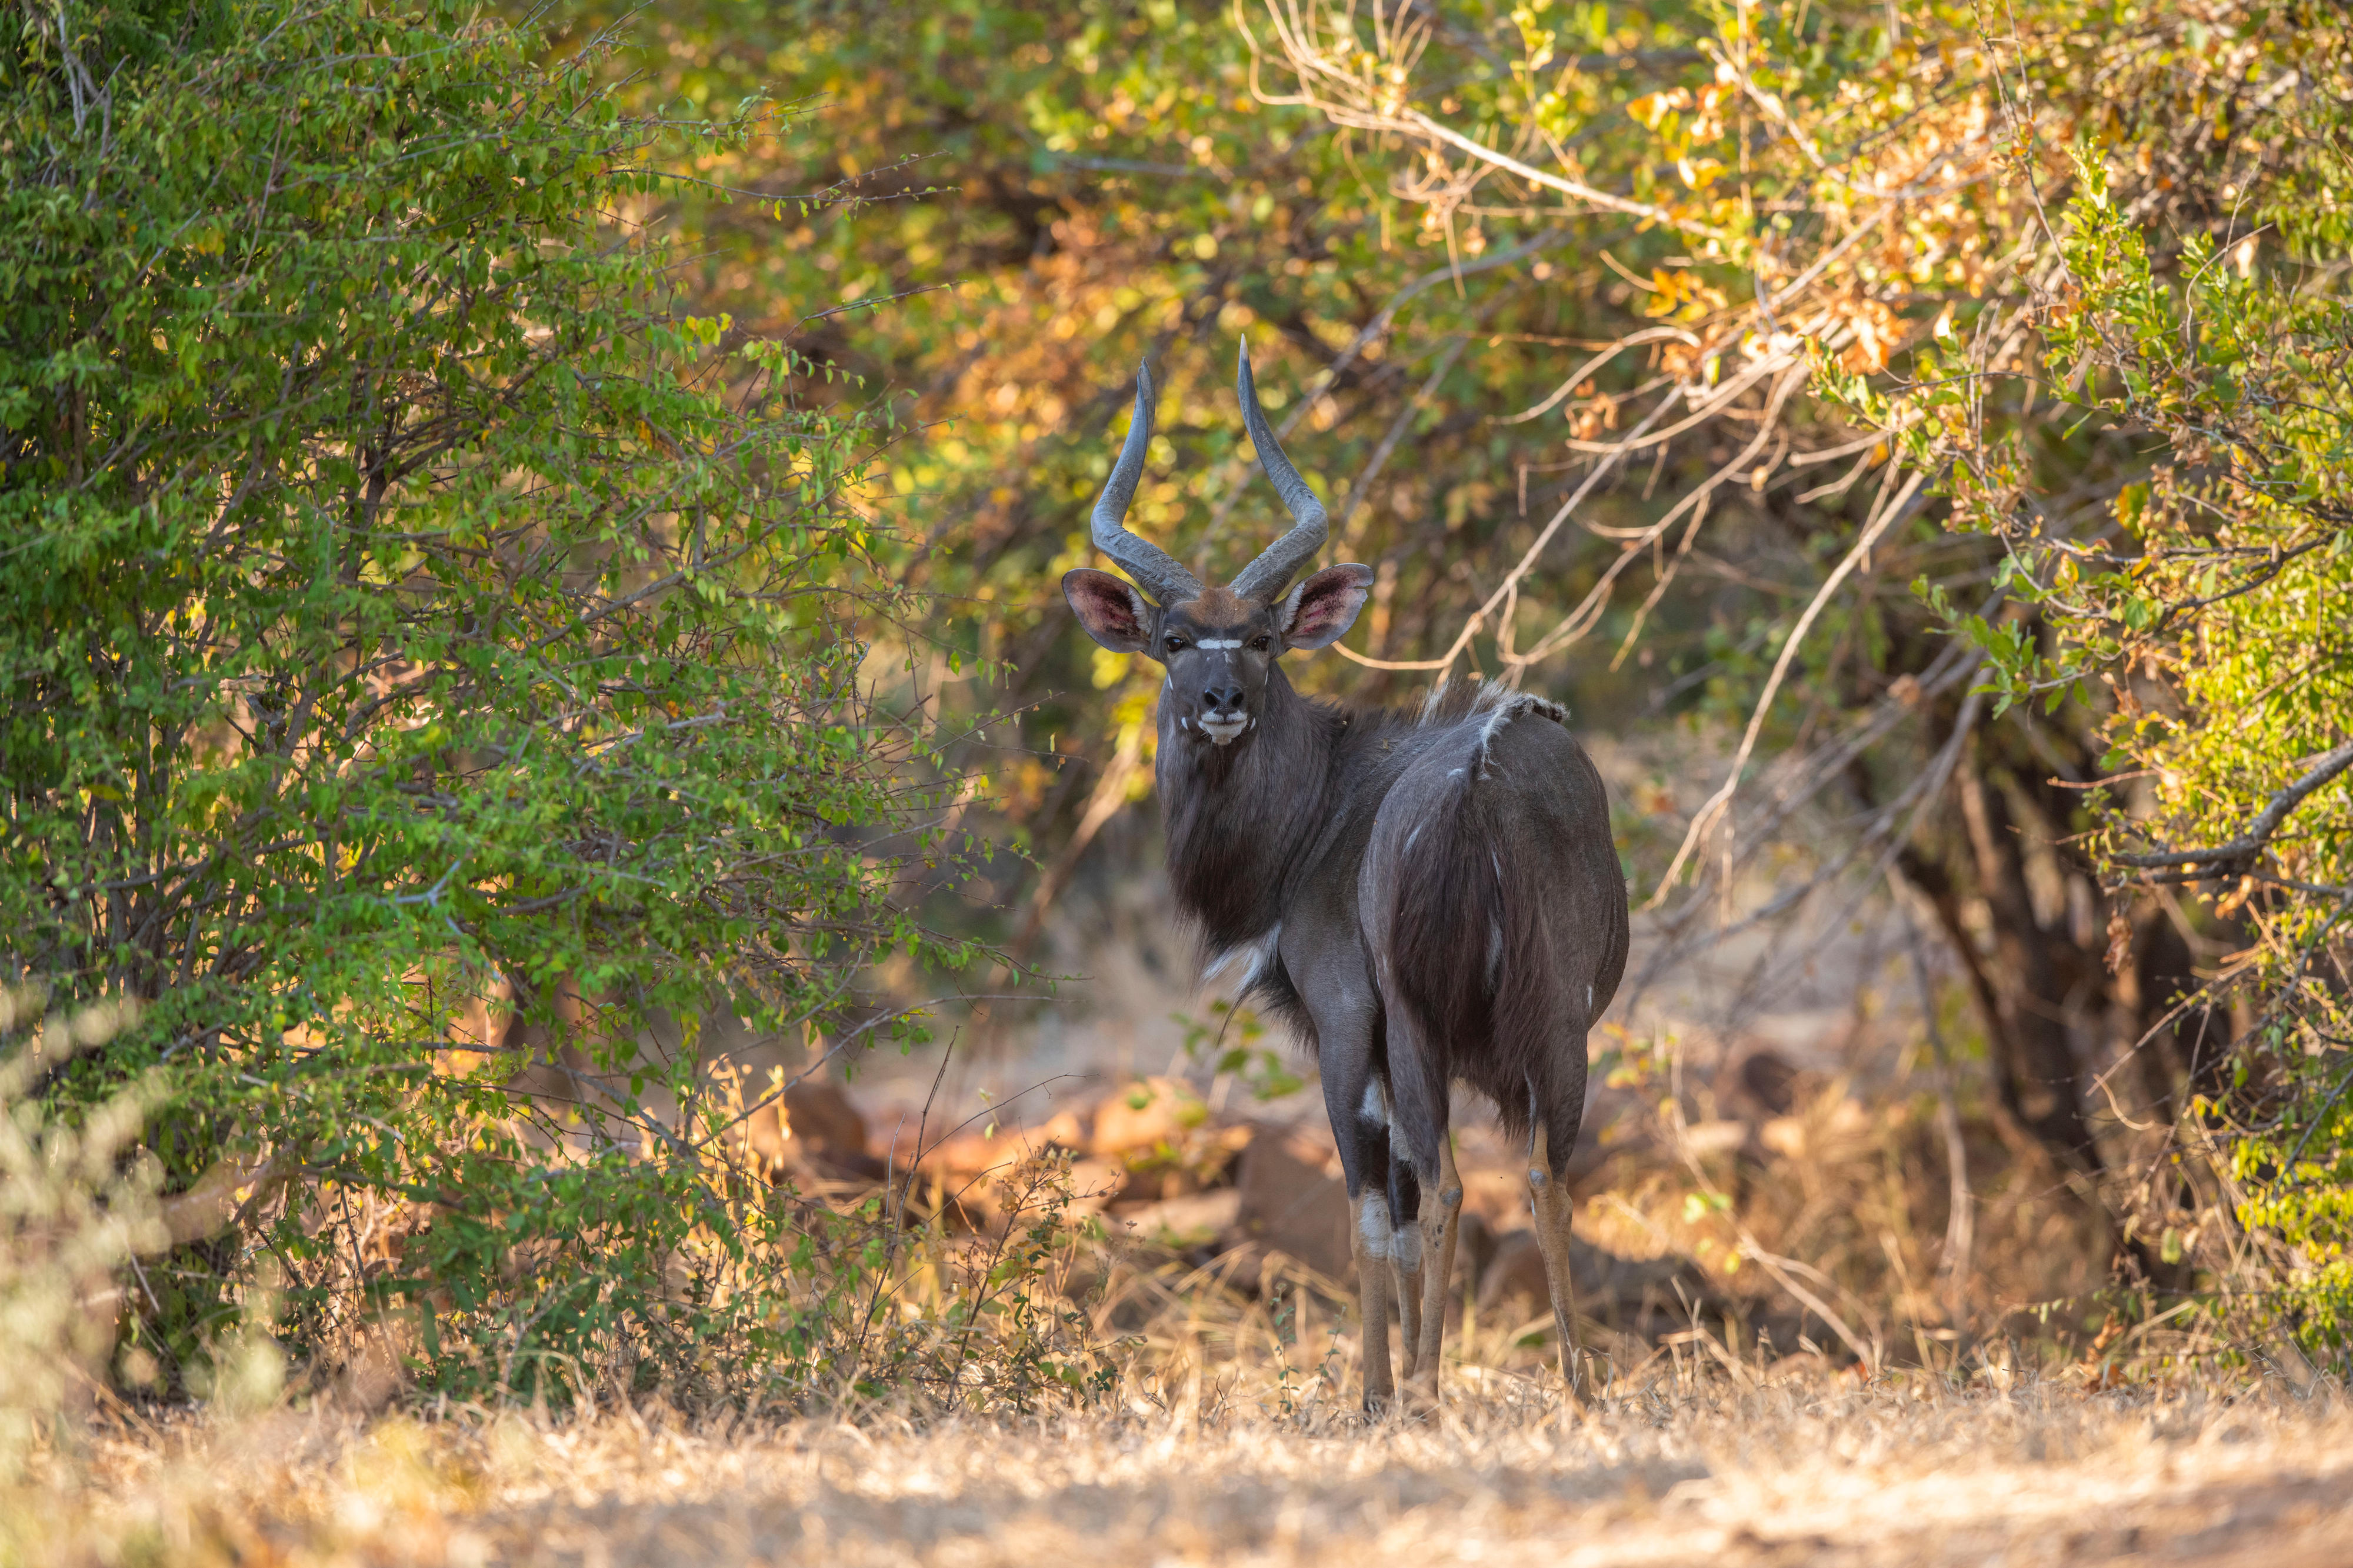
(1263, 957)
(1258, 949)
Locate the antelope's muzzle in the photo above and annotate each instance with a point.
(1222, 719)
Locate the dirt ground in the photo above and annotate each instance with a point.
(1803, 1471)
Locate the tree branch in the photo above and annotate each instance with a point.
(2235, 856)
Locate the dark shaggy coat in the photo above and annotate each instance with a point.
(1425, 897)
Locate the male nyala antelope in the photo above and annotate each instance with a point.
(1427, 898)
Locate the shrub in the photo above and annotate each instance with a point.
(425, 655)
(2210, 605)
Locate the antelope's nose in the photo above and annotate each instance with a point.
(1223, 699)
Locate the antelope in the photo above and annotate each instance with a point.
(1424, 899)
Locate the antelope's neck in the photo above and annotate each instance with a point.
(1241, 818)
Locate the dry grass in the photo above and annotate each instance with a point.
(1230, 1431)
(1231, 1434)
(1693, 1467)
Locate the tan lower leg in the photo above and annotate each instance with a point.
(1549, 1201)
(1442, 1212)
(1405, 1259)
(1405, 1273)
(1370, 1242)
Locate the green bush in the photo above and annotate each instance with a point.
(416, 634)
(2208, 610)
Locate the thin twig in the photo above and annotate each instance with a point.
(1709, 814)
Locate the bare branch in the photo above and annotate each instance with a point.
(1662, 216)
(1710, 813)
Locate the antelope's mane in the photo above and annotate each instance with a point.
(1452, 703)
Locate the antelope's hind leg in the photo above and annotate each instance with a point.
(1548, 1201)
(1406, 1256)
(1440, 1221)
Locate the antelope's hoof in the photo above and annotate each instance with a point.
(1575, 1379)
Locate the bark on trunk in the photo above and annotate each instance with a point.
(2023, 987)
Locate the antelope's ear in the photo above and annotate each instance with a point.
(1320, 611)
(1112, 610)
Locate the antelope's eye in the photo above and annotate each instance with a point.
(1175, 644)
(1261, 642)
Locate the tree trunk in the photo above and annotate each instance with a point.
(2025, 988)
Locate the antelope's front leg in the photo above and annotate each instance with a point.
(1442, 1213)
(1370, 1233)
